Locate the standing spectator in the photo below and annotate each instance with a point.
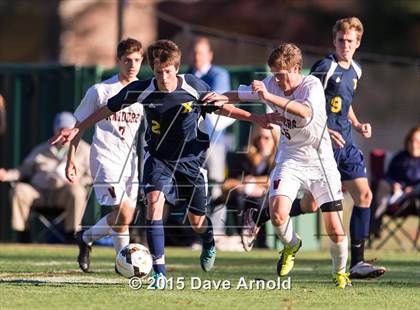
(47, 185)
(214, 125)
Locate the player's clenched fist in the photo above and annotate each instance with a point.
(215, 99)
(365, 130)
(259, 88)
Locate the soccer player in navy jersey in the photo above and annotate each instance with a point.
(176, 146)
(339, 74)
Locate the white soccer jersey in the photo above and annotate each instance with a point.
(113, 152)
(302, 139)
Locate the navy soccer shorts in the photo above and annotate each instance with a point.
(184, 183)
(350, 162)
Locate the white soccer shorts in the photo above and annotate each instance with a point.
(324, 185)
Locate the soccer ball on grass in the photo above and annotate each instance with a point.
(134, 260)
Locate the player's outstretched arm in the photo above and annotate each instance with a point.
(229, 110)
(71, 168)
(68, 134)
(363, 128)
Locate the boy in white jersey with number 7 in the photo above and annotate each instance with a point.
(113, 157)
(305, 157)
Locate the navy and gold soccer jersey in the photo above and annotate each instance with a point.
(176, 147)
(340, 85)
(172, 131)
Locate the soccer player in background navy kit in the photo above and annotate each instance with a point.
(339, 74)
(176, 146)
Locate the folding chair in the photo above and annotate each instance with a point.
(397, 214)
(50, 219)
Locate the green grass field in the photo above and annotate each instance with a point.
(47, 277)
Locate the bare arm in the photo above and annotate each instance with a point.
(97, 116)
(232, 96)
(229, 110)
(363, 128)
(68, 134)
(352, 117)
(71, 168)
(128, 95)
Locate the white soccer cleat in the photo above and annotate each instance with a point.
(363, 270)
(249, 230)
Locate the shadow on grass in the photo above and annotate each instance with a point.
(42, 282)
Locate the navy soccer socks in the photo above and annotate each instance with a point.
(359, 231)
(156, 241)
(208, 237)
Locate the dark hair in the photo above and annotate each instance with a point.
(164, 52)
(410, 136)
(129, 46)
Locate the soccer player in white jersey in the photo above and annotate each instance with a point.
(113, 157)
(306, 159)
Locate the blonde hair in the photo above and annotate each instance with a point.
(254, 154)
(285, 56)
(346, 24)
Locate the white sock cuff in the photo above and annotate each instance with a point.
(339, 255)
(286, 234)
(342, 243)
(99, 230)
(120, 239)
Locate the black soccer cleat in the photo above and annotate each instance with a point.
(84, 252)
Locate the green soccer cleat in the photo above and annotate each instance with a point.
(342, 280)
(287, 258)
(207, 258)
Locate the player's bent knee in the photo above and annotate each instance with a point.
(122, 215)
(366, 198)
(332, 206)
(337, 237)
(198, 221)
(278, 218)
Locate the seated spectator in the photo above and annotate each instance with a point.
(402, 179)
(249, 173)
(47, 186)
